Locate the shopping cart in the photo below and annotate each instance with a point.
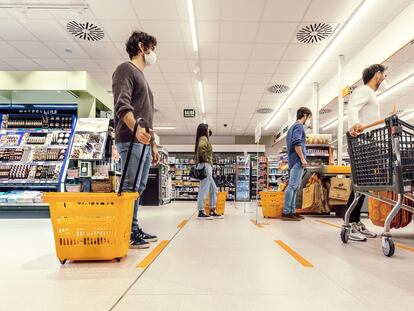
(382, 160)
(94, 226)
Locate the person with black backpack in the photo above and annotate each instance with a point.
(203, 152)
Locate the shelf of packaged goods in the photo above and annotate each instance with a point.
(318, 155)
(34, 186)
(317, 146)
(32, 163)
(31, 130)
(186, 164)
(34, 146)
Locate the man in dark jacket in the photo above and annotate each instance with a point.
(296, 145)
(133, 98)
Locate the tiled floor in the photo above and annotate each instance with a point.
(228, 264)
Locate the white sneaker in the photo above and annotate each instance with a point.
(362, 229)
(355, 235)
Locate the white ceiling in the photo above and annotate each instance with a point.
(244, 47)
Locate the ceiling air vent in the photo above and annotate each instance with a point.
(314, 33)
(278, 89)
(264, 110)
(86, 31)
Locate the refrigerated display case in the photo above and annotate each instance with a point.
(224, 173)
(254, 169)
(243, 178)
(157, 191)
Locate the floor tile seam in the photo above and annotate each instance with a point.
(144, 270)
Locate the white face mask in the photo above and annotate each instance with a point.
(308, 123)
(383, 86)
(151, 58)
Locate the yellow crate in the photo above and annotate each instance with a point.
(91, 226)
(337, 169)
(272, 203)
(220, 204)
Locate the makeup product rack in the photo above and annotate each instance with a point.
(34, 150)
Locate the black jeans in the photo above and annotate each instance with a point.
(356, 213)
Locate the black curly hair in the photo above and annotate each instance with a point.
(370, 72)
(150, 42)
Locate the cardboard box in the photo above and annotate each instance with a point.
(333, 202)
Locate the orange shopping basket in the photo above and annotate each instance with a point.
(220, 204)
(94, 226)
(272, 203)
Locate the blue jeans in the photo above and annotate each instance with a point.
(295, 178)
(132, 170)
(207, 186)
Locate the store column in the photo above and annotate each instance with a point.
(315, 118)
(86, 105)
(340, 108)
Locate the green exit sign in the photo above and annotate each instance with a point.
(189, 113)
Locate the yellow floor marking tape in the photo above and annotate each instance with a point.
(153, 255)
(294, 254)
(182, 224)
(328, 223)
(256, 224)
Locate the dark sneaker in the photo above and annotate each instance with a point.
(215, 215)
(137, 242)
(202, 216)
(299, 216)
(148, 237)
(289, 217)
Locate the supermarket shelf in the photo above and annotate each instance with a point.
(318, 155)
(313, 145)
(24, 205)
(35, 146)
(33, 130)
(31, 163)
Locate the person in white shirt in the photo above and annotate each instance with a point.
(364, 109)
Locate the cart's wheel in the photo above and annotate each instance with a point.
(345, 234)
(388, 247)
(118, 259)
(63, 261)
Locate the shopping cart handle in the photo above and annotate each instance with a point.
(373, 124)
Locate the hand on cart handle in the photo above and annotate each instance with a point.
(356, 130)
(359, 128)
